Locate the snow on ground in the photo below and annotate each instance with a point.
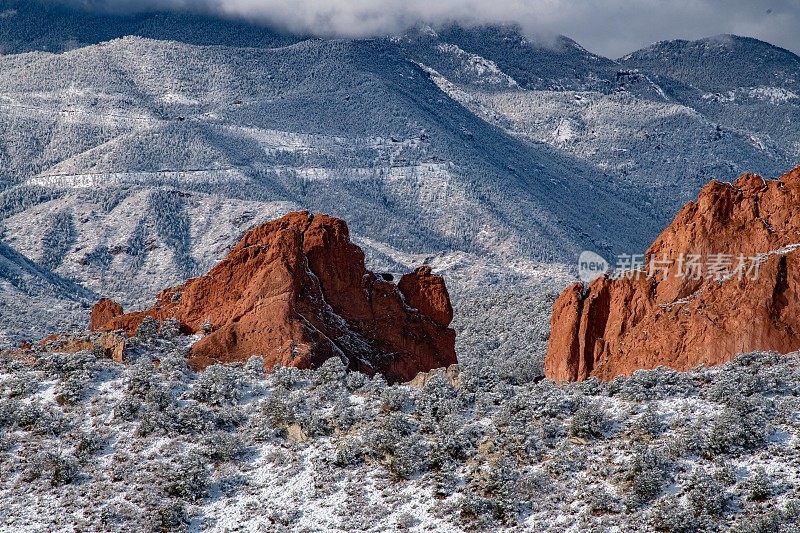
(88, 444)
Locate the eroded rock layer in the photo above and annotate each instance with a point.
(722, 279)
(296, 292)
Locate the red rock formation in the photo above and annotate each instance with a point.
(296, 292)
(426, 292)
(664, 318)
(103, 311)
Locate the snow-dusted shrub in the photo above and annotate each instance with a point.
(218, 385)
(169, 329)
(64, 469)
(478, 378)
(18, 386)
(173, 366)
(724, 472)
(407, 457)
(172, 516)
(332, 371)
(154, 420)
(648, 425)
(63, 365)
(742, 425)
(313, 422)
(127, 408)
(759, 486)
(6, 441)
(355, 381)
(188, 478)
(476, 511)
(147, 332)
(71, 388)
(221, 446)
(437, 399)
(350, 452)
(194, 419)
(285, 377)
(589, 421)
(41, 419)
(384, 436)
(649, 385)
(671, 516)
(448, 446)
(121, 467)
(406, 521)
(706, 495)
(254, 368)
(444, 480)
(344, 415)
(9, 413)
(142, 378)
(87, 444)
(645, 476)
(395, 398)
(492, 497)
(59, 469)
(741, 380)
(603, 502)
(278, 408)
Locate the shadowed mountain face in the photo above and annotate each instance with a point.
(348, 127)
(34, 300)
(718, 64)
(129, 164)
(33, 25)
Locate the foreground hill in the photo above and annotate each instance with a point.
(95, 445)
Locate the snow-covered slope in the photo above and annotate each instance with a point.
(93, 445)
(746, 86)
(626, 118)
(34, 301)
(352, 128)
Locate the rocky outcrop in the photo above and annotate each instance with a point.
(296, 292)
(105, 344)
(102, 313)
(722, 279)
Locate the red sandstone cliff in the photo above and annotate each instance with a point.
(682, 317)
(295, 291)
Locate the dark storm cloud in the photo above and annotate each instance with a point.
(609, 27)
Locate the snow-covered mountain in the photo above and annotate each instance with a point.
(130, 163)
(747, 86)
(34, 301)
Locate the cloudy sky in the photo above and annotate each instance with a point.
(608, 27)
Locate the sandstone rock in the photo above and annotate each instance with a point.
(663, 318)
(296, 292)
(426, 292)
(103, 311)
(449, 375)
(296, 433)
(109, 344)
